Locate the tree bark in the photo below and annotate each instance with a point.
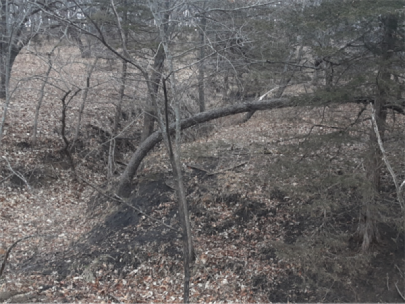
(148, 144)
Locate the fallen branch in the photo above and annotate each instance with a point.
(388, 285)
(396, 286)
(398, 187)
(195, 167)
(22, 297)
(3, 265)
(227, 169)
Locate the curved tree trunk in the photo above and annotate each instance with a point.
(148, 144)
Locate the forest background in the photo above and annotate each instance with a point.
(199, 150)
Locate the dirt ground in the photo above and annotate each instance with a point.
(274, 210)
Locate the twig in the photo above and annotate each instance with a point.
(121, 200)
(215, 172)
(19, 175)
(396, 286)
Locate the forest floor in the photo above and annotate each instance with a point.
(274, 209)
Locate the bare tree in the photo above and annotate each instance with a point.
(17, 28)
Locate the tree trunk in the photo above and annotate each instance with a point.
(368, 230)
(328, 67)
(8, 53)
(41, 98)
(175, 150)
(85, 93)
(188, 248)
(201, 95)
(7, 57)
(150, 111)
(118, 109)
(75, 35)
(6, 65)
